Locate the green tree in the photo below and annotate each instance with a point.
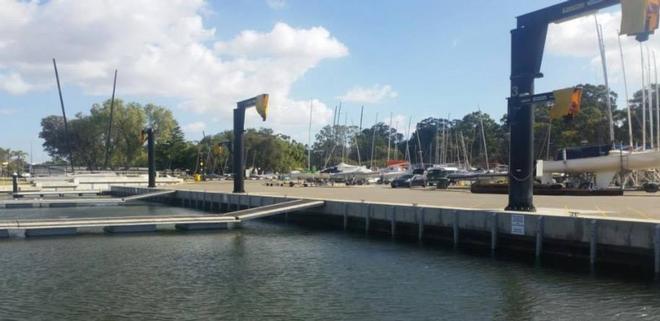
(170, 153)
(87, 135)
(12, 161)
(375, 139)
(589, 127)
(333, 145)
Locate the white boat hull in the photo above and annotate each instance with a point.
(604, 167)
(615, 161)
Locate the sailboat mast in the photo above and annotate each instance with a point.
(547, 151)
(408, 142)
(625, 86)
(396, 149)
(456, 146)
(648, 93)
(603, 59)
(419, 146)
(66, 124)
(344, 138)
(357, 147)
(389, 139)
(430, 158)
(338, 140)
(333, 135)
(657, 100)
(465, 154)
(483, 138)
(373, 142)
(437, 141)
(309, 137)
(445, 144)
(641, 52)
(107, 139)
(442, 141)
(361, 114)
(359, 133)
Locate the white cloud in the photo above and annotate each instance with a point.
(7, 111)
(577, 39)
(13, 83)
(371, 95)
(276, 4)
(194, 128)
(400, 122)
(161, 48)
(285, 43)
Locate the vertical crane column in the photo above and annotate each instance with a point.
(238, 150)
(261, 104)
(527, 46)
(151, 159)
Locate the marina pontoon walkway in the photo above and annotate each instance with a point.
(55, 193)
(46, 202)
(66, 226)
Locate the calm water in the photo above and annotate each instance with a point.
(284, 272)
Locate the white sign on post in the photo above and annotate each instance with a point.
(518, 224)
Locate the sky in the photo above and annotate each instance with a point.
(400, 59)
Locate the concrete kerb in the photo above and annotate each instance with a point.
(540, 225)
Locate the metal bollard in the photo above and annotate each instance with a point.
(14, 183)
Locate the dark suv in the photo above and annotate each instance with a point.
(409, 180)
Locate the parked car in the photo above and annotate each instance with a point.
(418, 180)
(438, 176)
(409, 180)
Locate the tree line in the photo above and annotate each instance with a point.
(476, 139)
(89, 141)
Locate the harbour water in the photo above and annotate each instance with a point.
(278, 271)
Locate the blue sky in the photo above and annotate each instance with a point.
(434, 57)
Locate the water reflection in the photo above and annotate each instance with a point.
(283, 272)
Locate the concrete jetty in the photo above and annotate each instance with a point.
(596, 237)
